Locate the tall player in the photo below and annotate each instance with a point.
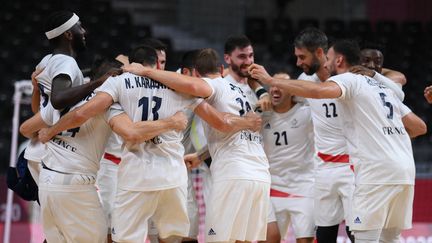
(239, 54)
(239, 198)
(61, 80)
(334, 180)
(288, 143)
(152, 176)
(378, 131)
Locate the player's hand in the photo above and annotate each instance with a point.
(136, 68)
(264, 104)
(192, 160)
(255, 121)
(258, 72)
(179, 121)
(428, 94)
(44, 135)
(123, 59)
(359, 69)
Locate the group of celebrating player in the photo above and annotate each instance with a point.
(332, 146)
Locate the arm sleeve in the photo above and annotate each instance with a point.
(348, 84)
(113, 111)
(390, 84)
(112, 87)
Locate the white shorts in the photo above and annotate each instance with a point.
(382, 207)
(237, 210)
(70, 208)
(298, 211)
(106, 181)
(133, 209)
(333, 194)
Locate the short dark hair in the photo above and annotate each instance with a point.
(374, 45)
(311, 38)
(102, 65)
(349, 49)
(155, 43)
(54, 20)
(144, 54)
(238, 41)
(188, 59)
(207, 62)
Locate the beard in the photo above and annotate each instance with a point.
(238, 70)
(314, 67)
(78, 44)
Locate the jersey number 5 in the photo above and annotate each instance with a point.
(387, 104)
(144, 102)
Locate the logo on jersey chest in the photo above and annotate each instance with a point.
(295, 123)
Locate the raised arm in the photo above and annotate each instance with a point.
(297, 87)
(64, 95)
(226, 122)
(78, 116)
(178, 82)
(394, 75)
(264, 102)
(138, 132)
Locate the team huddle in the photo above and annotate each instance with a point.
(113, 156)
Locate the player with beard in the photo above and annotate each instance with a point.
(377, 127)
(239, 55)
(334, 180)
(59, 79)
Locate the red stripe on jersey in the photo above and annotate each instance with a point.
(113, 158)
(341, 158)
(276, 193)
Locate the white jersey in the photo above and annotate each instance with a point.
(288, 143)
(156, 164)
(330, 142)
(77, 150)
(379, 145)
(247, 91)
(237, 155)
(52, 66)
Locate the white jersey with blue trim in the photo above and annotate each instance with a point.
(52, 65)
(238, 155)
(77, 150)
(379, 145)
(156, 164)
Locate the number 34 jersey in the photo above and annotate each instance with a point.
(156, 164)
(238, 155)
(379, 145)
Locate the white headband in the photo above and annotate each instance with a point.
(62, 28)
